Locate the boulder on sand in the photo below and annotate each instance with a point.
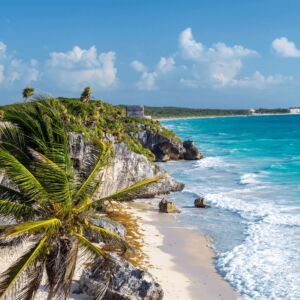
(166, 206)
(199, 202)
(126, 283)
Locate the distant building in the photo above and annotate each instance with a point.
(251, 111)
(295, 110)
(136, 111)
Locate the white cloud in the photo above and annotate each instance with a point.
(148, 80)
(138, 66)
(285, 48)
(196, 51)
(165, 65)
(79, 67)
(14, 70)
(220, 65)
(259, 80)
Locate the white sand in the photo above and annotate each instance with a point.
(180, 259)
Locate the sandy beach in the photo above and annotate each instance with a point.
(181, 259)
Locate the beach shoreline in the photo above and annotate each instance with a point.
(181, 259)
(213, 117)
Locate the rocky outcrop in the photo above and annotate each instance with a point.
(127, 282)
(166, 206)
(164, 148)
(191, 152)
(199, 202)
(124, 169)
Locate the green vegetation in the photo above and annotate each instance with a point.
(98, 119)
(28, 92)
(86, 95)
(181, 112)
(51, 203)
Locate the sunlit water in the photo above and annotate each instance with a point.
(251, 177)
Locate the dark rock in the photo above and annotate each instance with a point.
(199, 202)
(164, 148)
(191, 152)
(127, 282)
(166, 206)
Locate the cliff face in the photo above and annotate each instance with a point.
(124, 169)
(164, 148)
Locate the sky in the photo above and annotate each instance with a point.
(190, 53)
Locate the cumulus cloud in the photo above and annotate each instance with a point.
(148, 80)
(221, 64)
(193, 50)
(79, 67)
(14, 70)
(285, 48)
(260, 81)
(138, 66)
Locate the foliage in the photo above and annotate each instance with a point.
(181, 112)
(28, 92)
(49, 203)
(86, 95)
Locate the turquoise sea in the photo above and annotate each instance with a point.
(251, 177)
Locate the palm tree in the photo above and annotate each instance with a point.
(86, 95)
(28, 92)
(49, 203)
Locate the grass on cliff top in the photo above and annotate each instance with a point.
(97, 119)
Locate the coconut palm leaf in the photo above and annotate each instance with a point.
(90, 247)
(20, 175)
(13, 141)
(34, 276)
(13, 273)
(87, 188)
(11, 194)
(109, 238)
(50, 225)
(54, 179)
(124, 194)
(16, 210)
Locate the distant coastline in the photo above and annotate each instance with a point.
(224, 116)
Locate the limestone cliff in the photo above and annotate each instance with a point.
(125, 168)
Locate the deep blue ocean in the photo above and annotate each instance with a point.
(251, 177)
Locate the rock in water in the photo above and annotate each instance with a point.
(166, 206)
(191, 152)
(199, 202)
(127, 283)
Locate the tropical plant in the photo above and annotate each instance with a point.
(28, 92)
(49, 204)
(86, 95)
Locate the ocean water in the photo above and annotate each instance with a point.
(251, 177)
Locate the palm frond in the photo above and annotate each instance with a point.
(20, 175)
(87, 188)
(12, 139)
(16, 210)
(55, 181)
(70, 269)
(11, 194)
(124, 194)
(50, 225)
(34, 276)
(109, 238)
(12, 274)
(90, 247)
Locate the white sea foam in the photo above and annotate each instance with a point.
(211, 162)
(249, 178)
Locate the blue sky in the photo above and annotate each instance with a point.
(226, 53)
